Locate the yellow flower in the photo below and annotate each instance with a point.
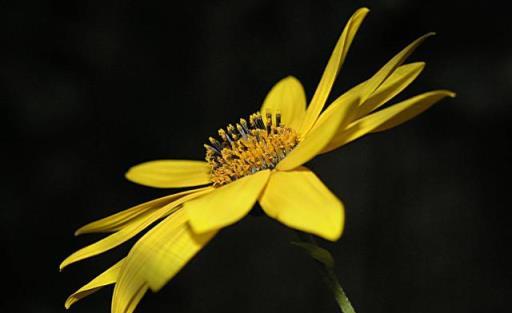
(259, 159)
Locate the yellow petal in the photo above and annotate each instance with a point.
(300, 200)
(373, 83)
(315, 140)
(164, 251)
(136, 298)
(129, 231)
(128, 292)
(170, 173)
(406, 110)
(345, 105)
(391, 116)
(108, 277)
(332, 69)
(116, 221)
(227, 204)
(157, 257)
(288, 98)
(396, 82)
(402, 77)
(367, 89)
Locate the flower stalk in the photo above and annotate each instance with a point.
(326, 265)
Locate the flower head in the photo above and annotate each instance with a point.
(249, 148)
(259, 159)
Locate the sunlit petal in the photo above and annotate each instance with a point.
(391, 116)
(367, 89)
(315, 140)
(170, 173)
(300, 200)
(332, 69)
(402, 77)
(373, 83)
(396, 82)
(227, 204)
(288, 98)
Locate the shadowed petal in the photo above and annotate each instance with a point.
(126, 298)
(108, 277)
(116, 221)
(156, 258)
(164, 250)
(135, 299)
(128, 232)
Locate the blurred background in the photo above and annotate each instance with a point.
(90, 88)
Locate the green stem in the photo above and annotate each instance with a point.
(329, 277)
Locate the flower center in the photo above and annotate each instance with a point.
(247, 148)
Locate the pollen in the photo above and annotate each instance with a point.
(248, 147)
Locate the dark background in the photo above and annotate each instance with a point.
(90, 88)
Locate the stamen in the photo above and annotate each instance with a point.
(244, 125)
(278, 119)
(249, 147)
(215, 143)
(269, 121)
(213, 149)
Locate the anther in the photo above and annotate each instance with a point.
(241, 130)
(224, 136)
(244, 125)
(257, 121)
(212, 149)
(230, 128)
(215, 143)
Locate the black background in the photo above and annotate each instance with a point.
(90, 88)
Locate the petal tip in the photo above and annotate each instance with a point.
(333, 238)
(129, 174)
(336, 235)
(361, 13)
(447, 93)
(291, 78)
(364, 9)
(424, 37)
(64, 264)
